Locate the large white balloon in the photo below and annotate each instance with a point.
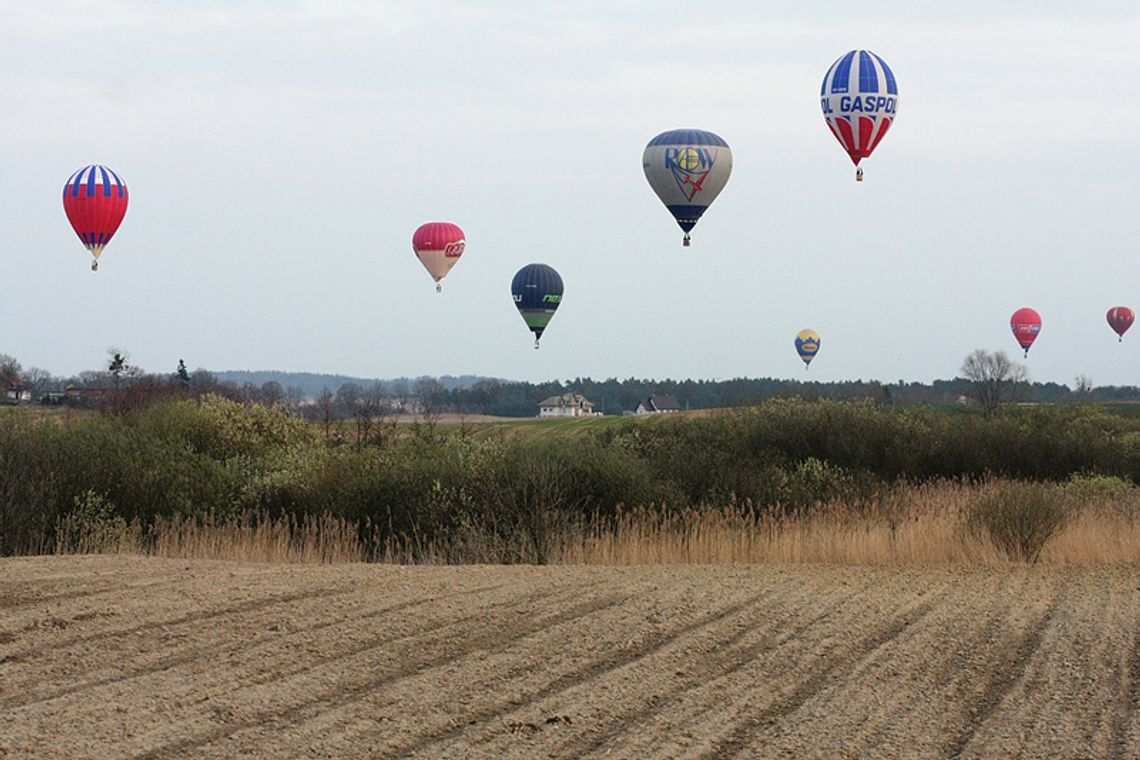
(687, 168)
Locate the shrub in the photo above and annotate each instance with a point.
(220, 428)
(1019, 518)
(1090, 487)
(91, 526)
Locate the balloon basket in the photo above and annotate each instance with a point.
(859, 174)
(94, 266)
(685, 240)
(536, 344)
(438, 288)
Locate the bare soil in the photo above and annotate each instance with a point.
(134, 657)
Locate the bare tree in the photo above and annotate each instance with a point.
(347, 398)
(401, 395)
(372, 409)
(431, 398)
(271, 393)
(294, 396)
(10, 370)
(38, 381)
(364, 406)
(1083, 385)
(326, 410)
(92, 378)
(994, 376)
(202, 382)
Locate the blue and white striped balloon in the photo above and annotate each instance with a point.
(860, 101)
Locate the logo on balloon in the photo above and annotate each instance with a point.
(860, 104)
(454, 250)
(690, 167)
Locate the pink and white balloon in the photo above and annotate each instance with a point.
(438, 246)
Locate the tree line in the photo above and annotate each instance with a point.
(121, 383)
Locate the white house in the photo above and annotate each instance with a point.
(17, 391)
(566, 405)
(658, 404)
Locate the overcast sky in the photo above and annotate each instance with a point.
(280, 155)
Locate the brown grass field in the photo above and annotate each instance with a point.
(128, 656)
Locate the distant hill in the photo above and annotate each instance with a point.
(311, 383)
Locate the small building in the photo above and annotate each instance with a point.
(658, 403)
(76, 396)
(566, 405)
(18, 392)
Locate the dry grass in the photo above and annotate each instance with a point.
(921, 525)
(254, 538)
(914, 525)
(918, 525)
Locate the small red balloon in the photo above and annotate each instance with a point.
(438, 245)
(1026, 326)
(1120, 318)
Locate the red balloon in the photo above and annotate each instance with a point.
(1120, 318)
(438, 245)
(95, 201)
(1026, 325)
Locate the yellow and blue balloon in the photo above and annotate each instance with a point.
(807, 345)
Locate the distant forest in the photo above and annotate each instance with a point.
(509, 398)
(470, 394)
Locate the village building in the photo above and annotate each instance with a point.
(18, 392)
(566, 405)
(658, 403)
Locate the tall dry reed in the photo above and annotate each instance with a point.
(251, 537)
(920, 524)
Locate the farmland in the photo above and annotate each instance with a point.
(126, 656)
(794, 580)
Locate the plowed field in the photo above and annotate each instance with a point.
(124, 656)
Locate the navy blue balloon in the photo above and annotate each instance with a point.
(537, 292)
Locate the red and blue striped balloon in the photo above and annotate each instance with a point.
(95, 201)
(860, 101)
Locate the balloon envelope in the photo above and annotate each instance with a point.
(860, 100)
(537, 292)
(438, 246)
(687, 168)
(807, 345)
(95, 201)
(1120, 318)
(1026, 326)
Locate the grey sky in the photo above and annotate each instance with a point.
(280, 155)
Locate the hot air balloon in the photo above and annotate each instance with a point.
(537, 290)
(438, 245)
(1026, 325)
(1120, 318)
(687, 168)
(95, 201)
(859, 110)
(807, 345)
